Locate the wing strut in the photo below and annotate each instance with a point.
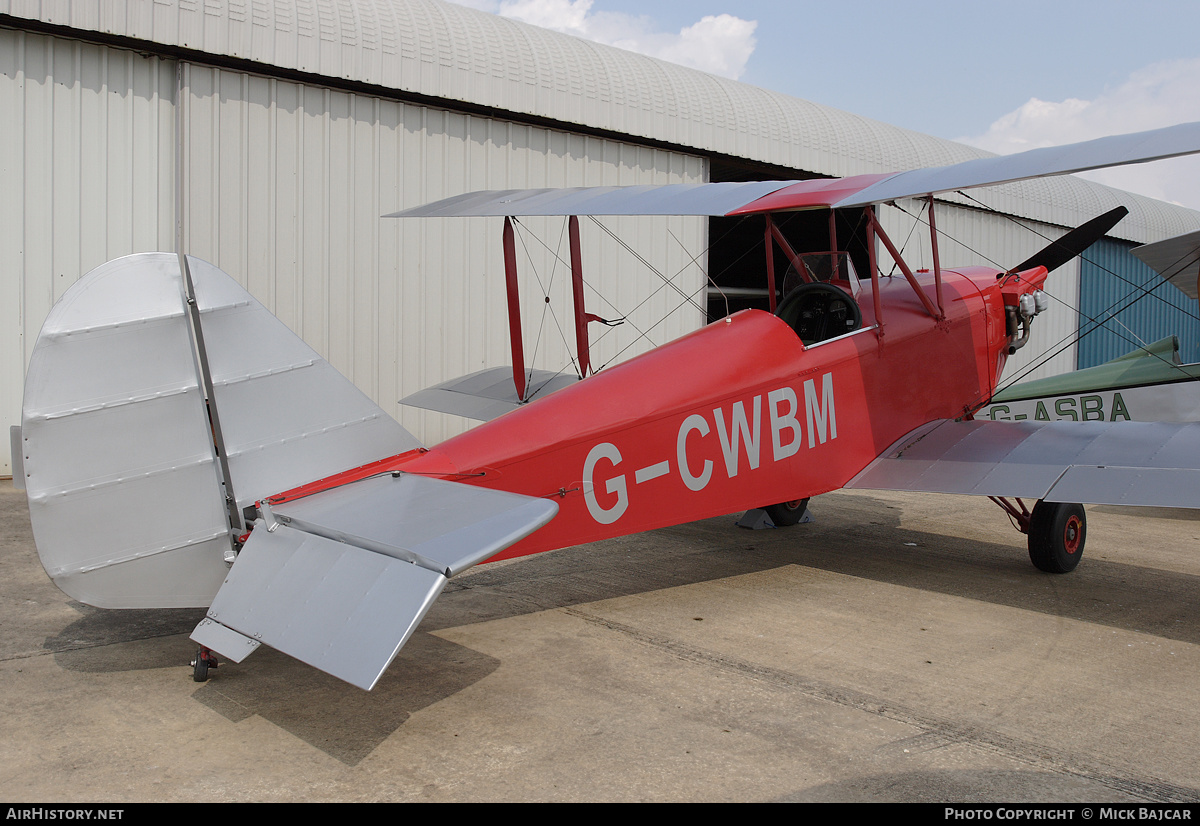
(873, 257)
(514, 309)
(582, 346)
(770, 264)
(937, 263)
(774, 235)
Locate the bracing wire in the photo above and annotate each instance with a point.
(558, 257)
(667, 281)
(693, 260)
(913, 228)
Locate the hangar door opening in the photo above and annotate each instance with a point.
(737, 264)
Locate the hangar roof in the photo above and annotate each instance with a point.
(449, 52)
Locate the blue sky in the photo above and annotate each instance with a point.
(1004, 76)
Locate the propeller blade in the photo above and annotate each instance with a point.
(1059, 252)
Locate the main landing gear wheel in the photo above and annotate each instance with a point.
(786, 514)
(1057, 531)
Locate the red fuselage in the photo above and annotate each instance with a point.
(736, 415)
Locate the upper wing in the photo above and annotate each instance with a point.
(1177, 260)
(718, 199)
(1115, 150)
(1103, 463)
(667, 199)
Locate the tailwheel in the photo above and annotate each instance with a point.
(786, 514)
(1057, 531)
(205, 659)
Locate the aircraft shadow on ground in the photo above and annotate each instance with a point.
(339, 719)
(351, 723)
(855, 536)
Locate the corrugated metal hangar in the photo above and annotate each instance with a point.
(270, 136)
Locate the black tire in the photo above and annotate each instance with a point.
(200, 667)
(1057, 532)
(786, 514)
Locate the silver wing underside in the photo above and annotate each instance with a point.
(715, 199)
(1101, 463)
(1175, 259)
(1114, 150)
(712, 199)
(487, 394)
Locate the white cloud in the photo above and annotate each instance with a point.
(1162, 94)
(720, 44)
(570, 16)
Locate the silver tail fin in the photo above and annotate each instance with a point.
(125, 493)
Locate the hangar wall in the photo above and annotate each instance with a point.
(287, 171)
(85, 168)
(284, 184)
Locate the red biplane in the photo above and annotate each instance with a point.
(274, 492)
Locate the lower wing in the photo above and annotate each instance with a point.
(1102, 463)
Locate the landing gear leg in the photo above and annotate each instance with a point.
(205, 659)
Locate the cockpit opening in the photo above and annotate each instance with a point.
(736, 257)
(820, 310)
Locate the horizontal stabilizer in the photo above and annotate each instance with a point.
(216, 637)
(1155, 364)
(344, 610)
(487, 394)
(1102, 463)
(444, 526)
(342, 578)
